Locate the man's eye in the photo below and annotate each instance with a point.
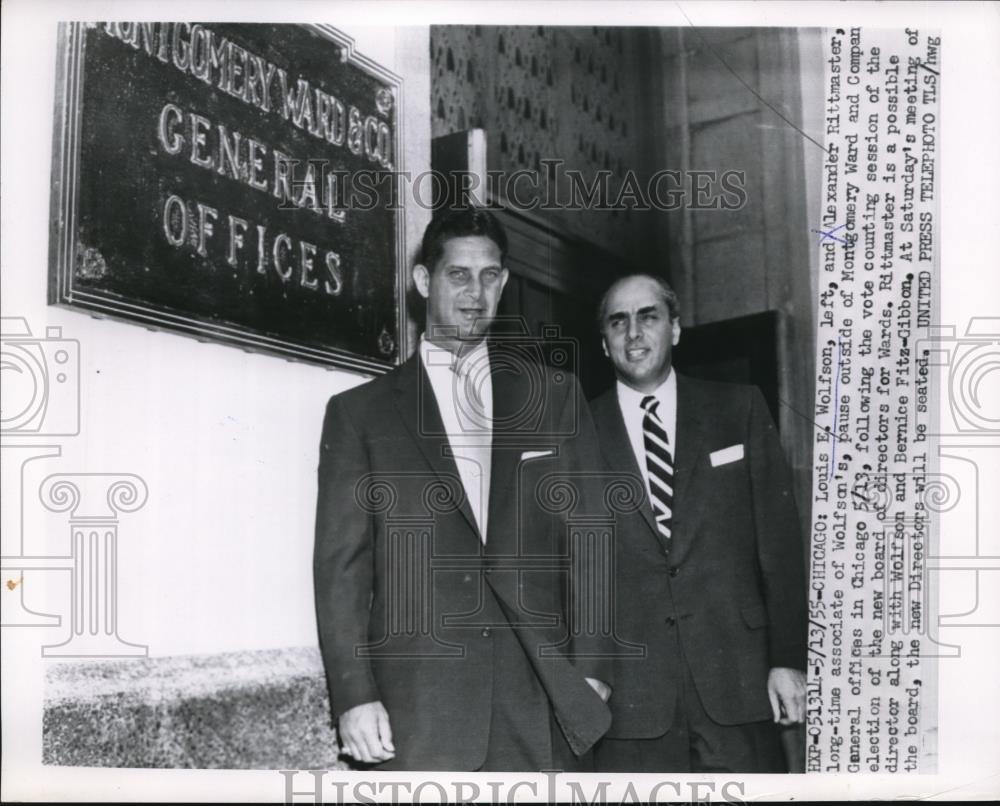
(457, 275)
(490, 275)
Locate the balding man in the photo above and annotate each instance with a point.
(710, 572)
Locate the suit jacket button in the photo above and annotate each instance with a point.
(486, 632)
(674, 570)
(671, 621)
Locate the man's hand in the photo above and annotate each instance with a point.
(786, 689)
(603, 689)
(365, 734)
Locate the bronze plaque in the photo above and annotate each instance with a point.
(234, 182)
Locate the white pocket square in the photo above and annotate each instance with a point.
(726, 455)
(534, 455)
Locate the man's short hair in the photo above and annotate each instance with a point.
(459, 223)
(666, 292)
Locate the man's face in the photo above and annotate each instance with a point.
(639, 334)
(462, 290)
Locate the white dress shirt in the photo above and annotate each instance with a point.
(463, 389)
(629, 400)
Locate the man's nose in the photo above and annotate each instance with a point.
(474, 288)
(634, 331)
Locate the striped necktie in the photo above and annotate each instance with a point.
(660, 466)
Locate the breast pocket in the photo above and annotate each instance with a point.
(730, 455)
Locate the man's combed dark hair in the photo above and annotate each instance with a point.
(458, 223)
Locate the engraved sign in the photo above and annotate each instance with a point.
(232, 182)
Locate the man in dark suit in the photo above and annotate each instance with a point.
(710, 571)
(439, 575)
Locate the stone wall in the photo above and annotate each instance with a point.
(241, 710)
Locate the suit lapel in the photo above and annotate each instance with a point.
(617, 447)
(690, 434)
(418, 409)
(509, 434)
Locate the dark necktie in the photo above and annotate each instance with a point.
(660, 466)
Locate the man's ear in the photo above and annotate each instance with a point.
(676, 329)
(504, 277)
(422, 280)
(604, 346)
